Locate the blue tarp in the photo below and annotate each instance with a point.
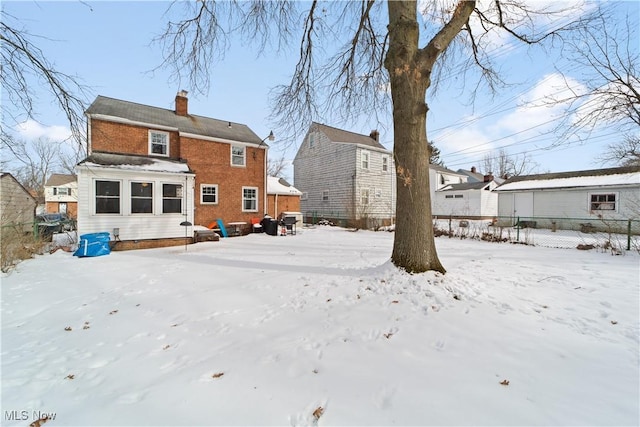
(93, 244)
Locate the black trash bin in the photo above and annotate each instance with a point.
(270, 226)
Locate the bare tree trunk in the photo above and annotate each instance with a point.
(409, 69)
(414, 245)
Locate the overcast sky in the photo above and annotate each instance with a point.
(109, 46)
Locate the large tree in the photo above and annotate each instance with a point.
(378, 51)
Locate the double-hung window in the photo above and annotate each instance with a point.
(208, 194)
(385, 163)
(238, 153)
(107, 197)
(364, 159)
(364, 196)
(325, 196)
(171, 198)
(603, 202)
(141, 197)
(159, 143)
(249, 199)
(61, 191)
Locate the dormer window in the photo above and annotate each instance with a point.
(159, 143)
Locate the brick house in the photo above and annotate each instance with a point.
(61, 194)
(150, 169)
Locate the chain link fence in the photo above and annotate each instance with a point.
(553, 232)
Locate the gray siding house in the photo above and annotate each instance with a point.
(345, 176)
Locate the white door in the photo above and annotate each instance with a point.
(523, 205)
(62, 207)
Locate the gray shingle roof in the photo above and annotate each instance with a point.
(57, 179)
(198, 125)
(339, 135)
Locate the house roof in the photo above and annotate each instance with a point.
(58, 179)
(281, 187)
(465, 186)
(131, 162)
(442, 169)
(475, 176)
(589, 178)
(340, 135)
(193, 124)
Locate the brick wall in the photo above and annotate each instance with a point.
(284, 204)
(123, 138)
(211, 162)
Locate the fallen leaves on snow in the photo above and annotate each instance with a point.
(318, 412)
(504, 382)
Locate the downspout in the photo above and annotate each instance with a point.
(265, 183)
(275, 211)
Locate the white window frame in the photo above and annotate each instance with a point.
(304, 195)
(311, 140)
(61, 191)
(181, 190)
(132, 196)
(325, 195)
(242, 157)
(202, 194)
(365, 195)
(245, 199)
(365, 159)
(616, 198)
(385, 163)
(152, 143)
(377, 193)
(119, 197)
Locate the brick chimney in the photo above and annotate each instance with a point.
(182, 103)
(488, 177)
(473, 169)
(375, 135)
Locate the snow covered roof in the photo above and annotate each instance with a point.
(591, 178)
(281, 187)
(131, 162)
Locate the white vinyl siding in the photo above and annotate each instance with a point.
(135, 226)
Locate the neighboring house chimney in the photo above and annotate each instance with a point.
(488, 177)
(181, 103)
(375, 135)
(473, 169)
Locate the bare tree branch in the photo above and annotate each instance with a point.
(23, 65)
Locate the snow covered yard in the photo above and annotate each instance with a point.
(320, 329)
